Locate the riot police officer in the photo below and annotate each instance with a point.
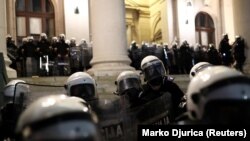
(219, 95)
(22, 58)
(176, 58)
(58, 117)
(135, 55)
(81, 84)
(157, 83)
(15, 95)
(74, 54)
(53, 48)
(239, 52)
(86, 55)
(8, 40)
(72, 42)
(213, 55)
(63, 55)
(43, 44)
(129, 88)
(225, 51)
(185, 58)
(199, 54)
(44, 53)
(83, 43)
(32, 56)
(12, 51)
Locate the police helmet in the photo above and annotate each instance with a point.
(67, 42)
(220, 95)
(165, 45)
(133, 42)
(58, 117)
(8, 37)
(197, 47)
(237, 37)
(211, 45)
(184, 42)
(24, 40)
(81, 84)
(16, 90)
(83, 41)
(73, 40)
(197, 68)
(54, 39)
(126, 81)
(225, 36)
(152, 69)
(30, 38)
(62, 36)
(43, 36)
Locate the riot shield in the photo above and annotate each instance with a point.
(38, 90)
(86, 56)
(62, 66)
(118, 123)
(75, 59)
(21, 99)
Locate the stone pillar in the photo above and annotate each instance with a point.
(242, 28)
(3, 32)
(11, 20)
(109, 37)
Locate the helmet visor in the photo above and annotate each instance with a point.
(153, 71)
(127, 84)
(228, 112)
(85, 91)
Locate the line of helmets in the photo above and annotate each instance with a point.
(215, 95)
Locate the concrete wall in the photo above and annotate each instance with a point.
(241, 22)
(186, 18)
(159, 18)
(214, 8)
(138, 21)
(228, 26)
(77, 25)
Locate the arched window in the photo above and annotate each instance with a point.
(34, 17)
(204, 26)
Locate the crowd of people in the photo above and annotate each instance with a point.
(64, 57)
(179, 59)
(45, 57)
(216, 94)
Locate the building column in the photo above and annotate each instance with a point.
(129, 33)
(109, 37)
(242, 28)
(3, 32)
(11, 20)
